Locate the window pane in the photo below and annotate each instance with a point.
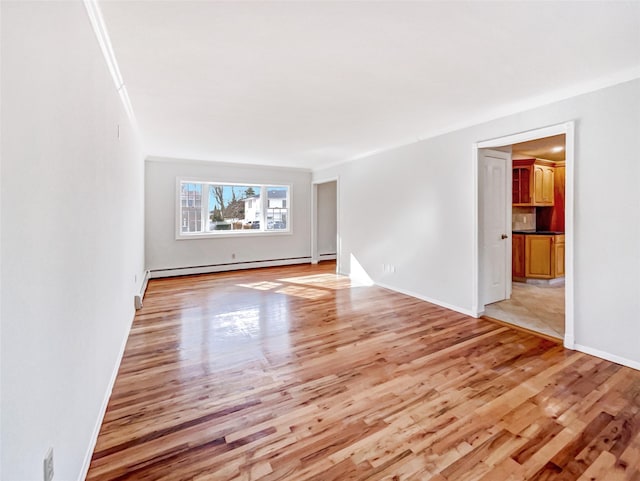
(191, 206)
(234, 207)
(223, 208)
(277, 210)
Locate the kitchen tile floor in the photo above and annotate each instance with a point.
(536, 307)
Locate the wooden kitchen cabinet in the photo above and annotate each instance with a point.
(533, 183)
(543, 178)
(521, 191)
(559, 252)
(517, 257)
(544, 256)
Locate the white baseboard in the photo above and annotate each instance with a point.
(569, 342)
(451, 307)
(103, 408)
(608, 356)
(327, 257)
(185, 271)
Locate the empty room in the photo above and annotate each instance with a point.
(319, 240)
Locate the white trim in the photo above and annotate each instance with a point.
(509, 226)
(314, 221)
(567, 128)
(103, 409)
(206, 188)
(475, 235)
(569, 226)
(232, 233)
(327, 257)
(338, 214)
(271, 168)
(322, 180)
(430, 300)
(569, 341)
(607, 356)
(533, 134)
(513, 108)
(186, 271)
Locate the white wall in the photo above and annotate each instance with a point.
(422, 218)
(1, 90)
(163, 251)
(72, 236)
(327, 217)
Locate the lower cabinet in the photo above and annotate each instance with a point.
(559, 250)
(517, 257)
(544, 256)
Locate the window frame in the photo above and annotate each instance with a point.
(208, 234)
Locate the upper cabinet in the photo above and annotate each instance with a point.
(533, 181)
(521, 184)
(543, 177)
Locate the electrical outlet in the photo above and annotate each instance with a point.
(48, 465)
(388, 268)
(233, 256)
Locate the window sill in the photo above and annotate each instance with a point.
(236, 234)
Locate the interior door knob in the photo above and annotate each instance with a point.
(504, 236)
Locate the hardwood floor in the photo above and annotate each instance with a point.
(295, 374)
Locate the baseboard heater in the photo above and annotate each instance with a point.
(137, 300)
(228, 266)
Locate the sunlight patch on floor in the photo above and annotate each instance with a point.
(327, 281)
(314, 286)
(261, 286)
(305, 292)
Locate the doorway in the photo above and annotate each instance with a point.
(525, 271)
(324, 244)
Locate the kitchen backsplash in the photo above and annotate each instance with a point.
(523, 218)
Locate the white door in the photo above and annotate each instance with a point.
(495, 226)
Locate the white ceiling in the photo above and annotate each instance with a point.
(309, 84)
(550, 148)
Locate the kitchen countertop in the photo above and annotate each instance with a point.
(537, 232)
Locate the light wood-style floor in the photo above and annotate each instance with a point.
(539, 308)
(294, 374)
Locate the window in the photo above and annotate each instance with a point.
(212, 208)
(191, 202)
(277, 207)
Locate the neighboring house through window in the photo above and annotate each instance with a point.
(213, 208)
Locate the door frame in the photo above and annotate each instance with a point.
(567, 128)
(314, 219)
